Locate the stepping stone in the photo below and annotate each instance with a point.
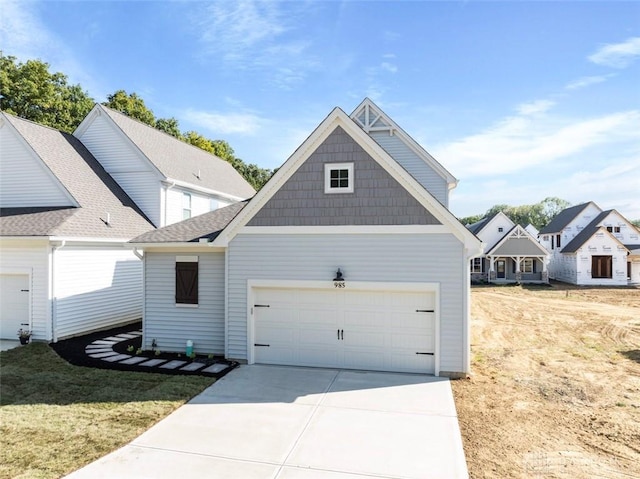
(105, 342)
(103, 355)
(127, 336)
(216, 368)
(117, 357)
(173, 364)
(134, 360)
(115, 339)
(193, 367)
(153, 362)
(136, 333)
(98, 346)
(98, 350)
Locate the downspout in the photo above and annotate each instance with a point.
(166, 201)
(54, 319)
(137, 253)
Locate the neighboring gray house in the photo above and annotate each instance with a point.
(168, 179)
(347, 258)
(590, 246)
(63, 224)
(511, 253)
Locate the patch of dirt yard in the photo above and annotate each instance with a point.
(555, 385)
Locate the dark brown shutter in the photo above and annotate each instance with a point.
(187, 283)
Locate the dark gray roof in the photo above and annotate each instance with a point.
(91, 186)
(633, 248)
(563, 218)
(181, 161)
(584, 235)
(476, 227)
(208, 225)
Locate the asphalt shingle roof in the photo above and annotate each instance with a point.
(584, 235)
(563, 218)
(181, 161)
(85, 179)
(476, 227)
(208, 225)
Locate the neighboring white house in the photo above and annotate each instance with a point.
(592, 247)
(63, 224)
(511, 253)
(168, 179)
(346, 258)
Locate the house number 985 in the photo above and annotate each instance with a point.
(338, 284)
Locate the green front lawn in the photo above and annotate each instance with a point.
(56, 418)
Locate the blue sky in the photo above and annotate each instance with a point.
(518, 100)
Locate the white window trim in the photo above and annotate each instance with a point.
(328, 167)
(473, 265)
(524, 263)
(186, 198)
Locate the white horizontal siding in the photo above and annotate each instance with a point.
(24, 179)
(31, 259)
(200, 204)
(415, 166)
(170, 325)
(135, 175)
(433, 258)
(96, 288)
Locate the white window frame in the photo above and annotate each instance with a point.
(186, 205)
(527, 265)
(476, 265)
(328, 168)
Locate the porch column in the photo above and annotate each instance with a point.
(492, 269)
(518, 273)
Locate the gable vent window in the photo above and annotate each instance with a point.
(338, 178)
(187, 281)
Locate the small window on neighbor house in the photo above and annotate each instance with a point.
(601, 266)
(616, 229)
(500, 229)
(186, 206)
(528, 265)
(476, 265)
(610, 229)
(338, 178)
(557, 241)
(187, 280)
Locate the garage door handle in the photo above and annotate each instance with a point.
(426, 354)
(264, 345)
(425, 311)
(340, 334)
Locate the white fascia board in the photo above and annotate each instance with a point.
(201, 247)
(77, 239)
(452, 181)
(345, 230)
(339, 118)
(5, 121)
(200, 189)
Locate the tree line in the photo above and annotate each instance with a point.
(538, 214)
(29, 90)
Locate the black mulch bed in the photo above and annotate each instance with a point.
(73, 351)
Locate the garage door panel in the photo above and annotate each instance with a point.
(379, 330)
(14, 304)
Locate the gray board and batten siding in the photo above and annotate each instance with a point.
(378, 199)
(170, 325)
(386, 258)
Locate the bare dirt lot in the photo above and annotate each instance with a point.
(555, 389)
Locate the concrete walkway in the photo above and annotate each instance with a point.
(7, 344)
(301, 423)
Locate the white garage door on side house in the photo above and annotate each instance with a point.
(342, 328)
(14, 304)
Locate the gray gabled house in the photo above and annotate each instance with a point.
(348, 257)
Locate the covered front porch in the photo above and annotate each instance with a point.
(518, 269)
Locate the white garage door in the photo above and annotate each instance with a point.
(373, 330)
(14, 304)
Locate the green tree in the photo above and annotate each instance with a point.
(196, 139)
(29, 90)
(469, 220)
(131, 105)
(170, 126)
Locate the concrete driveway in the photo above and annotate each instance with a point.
(301, 423)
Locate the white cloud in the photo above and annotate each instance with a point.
(391, 68)
(617, 55)
(258, 35)
(535, 107)
(225, 123)
(587, 81)
(522, 142)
